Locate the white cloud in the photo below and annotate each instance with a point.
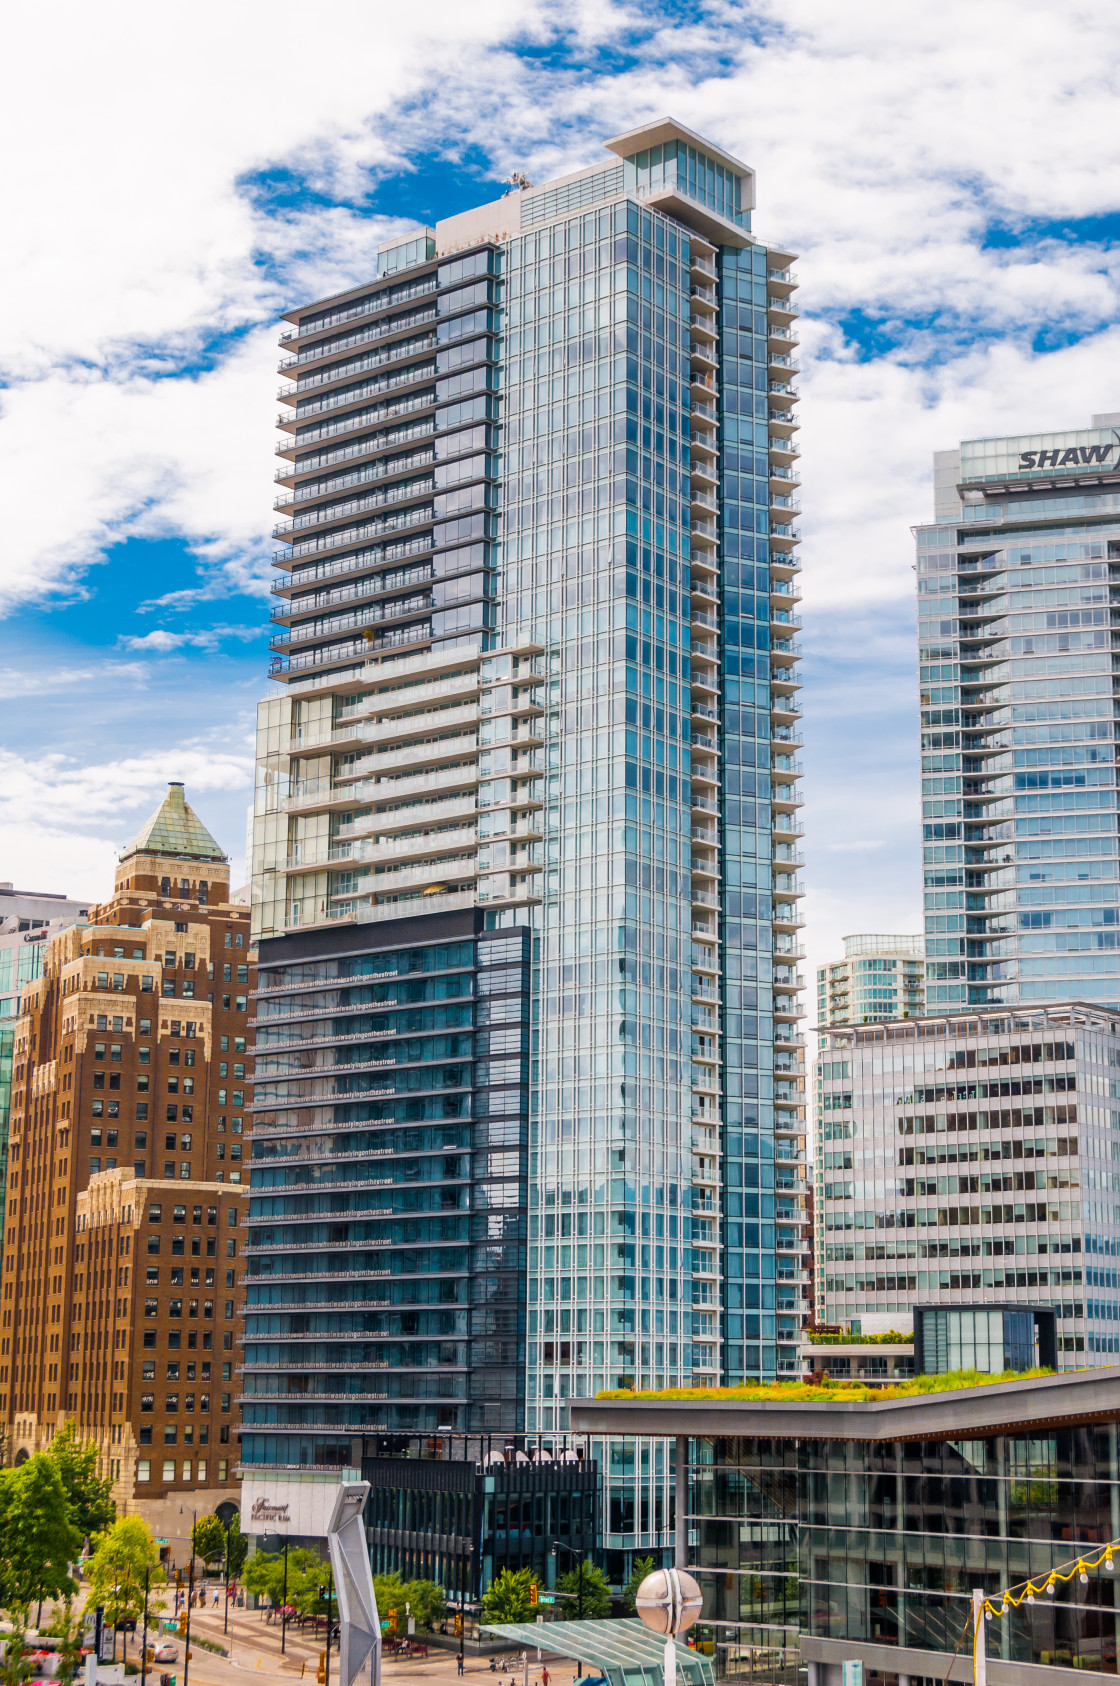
(47, 680)
(62, 824)
(162, 641)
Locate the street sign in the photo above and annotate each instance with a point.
(546, 1598)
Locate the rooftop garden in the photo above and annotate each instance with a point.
(830, 1391)
(837, 1337)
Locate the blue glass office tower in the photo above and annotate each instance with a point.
(1015, 595)
(536, 617)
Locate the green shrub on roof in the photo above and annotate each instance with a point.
(837, 1392)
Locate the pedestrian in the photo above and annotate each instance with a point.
(544, 1675)
(459, 1663)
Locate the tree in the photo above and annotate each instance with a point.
(89, 1494)
(643, 1566)
(426, 1601)
(238, 1547)
(208, 1536)
(116, 1570)
(15, 1667)
(506, 1599)
(596, 1598)
(38, 1541)
(67, 1628)
(264, 1576)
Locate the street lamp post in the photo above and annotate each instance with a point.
(561, 1545)
(284, 1605)
(144, 1647)
(190, 1601)
(225, 1613)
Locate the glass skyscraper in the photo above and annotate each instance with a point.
(538, 693)
(1015, 625)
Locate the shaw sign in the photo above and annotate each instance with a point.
(1076, 456)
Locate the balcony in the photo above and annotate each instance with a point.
(350, 424)
(708, 412)
(364, 336)
(700, 618)
(366, 307)
(701, 266)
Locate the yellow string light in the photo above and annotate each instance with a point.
(1010, 1600)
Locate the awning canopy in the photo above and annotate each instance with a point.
(625, 1651)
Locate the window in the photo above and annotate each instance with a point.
(170, 1434)
(175, 1309)
(184, 1170)
(155, 1215)
(223, 1467)
(143, 1469)
(145, 1027)
(145, 1434)
(173, 1115)
(115, 1047)
(153, 1243)
(169, 1469)
(149, 1337)
(147, 1401)
(201, 1461)
(171, 1400)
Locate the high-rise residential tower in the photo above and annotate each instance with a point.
(1017, 581)
(526, 837)
(880, 977)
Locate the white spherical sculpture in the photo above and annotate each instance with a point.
(669, 1601)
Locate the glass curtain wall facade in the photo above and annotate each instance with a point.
(828, 1548)
(574, 707)
(964, 1160)
(1016, 586)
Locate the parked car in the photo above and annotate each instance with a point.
(166, 1652)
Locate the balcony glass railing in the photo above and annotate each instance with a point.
(375, 331)
(349, 424)
(362, 307)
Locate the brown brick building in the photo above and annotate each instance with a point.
(128, 1074)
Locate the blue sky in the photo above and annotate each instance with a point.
(949, 177)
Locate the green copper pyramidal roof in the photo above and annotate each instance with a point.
(175, 829)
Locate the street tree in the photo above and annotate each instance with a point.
(643, 1566)
(590, 1593)
(115, 1572)
(38, 1541)
(208, 1536)
(506, 1599)
(90, 1495)
(15, 1666)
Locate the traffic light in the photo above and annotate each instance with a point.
(322, 1594)
(458, 1624)
(392, 1621)
(183, 1625)
(534, 1597)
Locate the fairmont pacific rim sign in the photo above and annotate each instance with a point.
(293, 1505)
(1091, 451)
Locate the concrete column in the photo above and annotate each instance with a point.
(904, 1680)
(814, 1674)
(680, 1554)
